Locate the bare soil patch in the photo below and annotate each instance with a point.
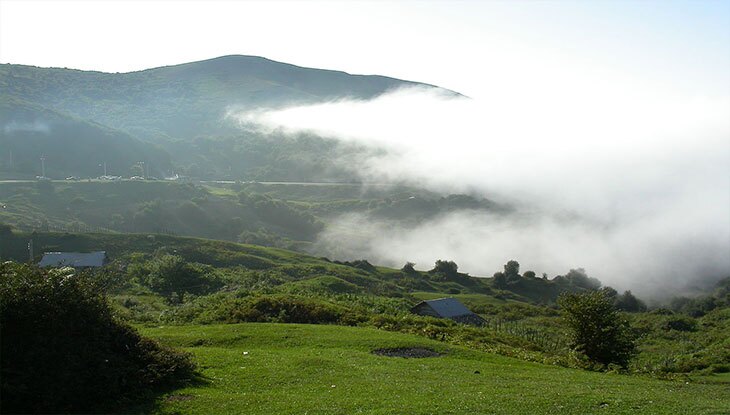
(407, 352)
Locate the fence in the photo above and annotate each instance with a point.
(546, 340)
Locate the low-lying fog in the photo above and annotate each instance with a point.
(633, 186)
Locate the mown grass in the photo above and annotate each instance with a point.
(289, 368)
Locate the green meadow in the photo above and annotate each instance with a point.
(264, 368)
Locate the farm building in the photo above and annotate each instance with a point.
(450, 308)
(74, 259)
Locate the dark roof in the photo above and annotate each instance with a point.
(73, 259)
(448, 307)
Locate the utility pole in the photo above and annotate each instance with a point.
(30, 250)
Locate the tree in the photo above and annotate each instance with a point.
(512, 270)
(610, 292)
(529, 274)
(500, 281)
(596, 328)
(408, 268)
(628, 302)
(445, 267)
(579, 278)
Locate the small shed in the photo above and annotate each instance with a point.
(450, 308)
(74, 259)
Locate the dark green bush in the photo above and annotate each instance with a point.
(596, 328)
(283, 309)
(63, 352)
(168, 274)
(680, 323)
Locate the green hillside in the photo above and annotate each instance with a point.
(91, 117)
(183, 101)
(289, 216)
(71, 146)
(182, 290)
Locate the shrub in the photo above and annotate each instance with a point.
(445, 267)
(168, 274)
(680, 323)
(62, 350)
(596, 328)
(628, 302)
(283, 309)
(408, 268)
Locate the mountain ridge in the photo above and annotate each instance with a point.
(181, 108)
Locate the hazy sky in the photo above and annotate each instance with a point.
(473, 47)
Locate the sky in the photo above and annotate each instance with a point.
(615, 113)
(473, 47)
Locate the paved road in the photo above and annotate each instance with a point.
(209, 182)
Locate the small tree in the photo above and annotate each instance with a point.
(445, 267)
(512, 270)
(408, 268)
(500, 281)
(596, 328)
(628, 302)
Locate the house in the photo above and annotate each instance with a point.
(450, 308)
(74, 259)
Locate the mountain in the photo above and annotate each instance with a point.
(183, 101)
(182, 108)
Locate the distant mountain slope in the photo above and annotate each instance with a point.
(187, 100)
(71, 146)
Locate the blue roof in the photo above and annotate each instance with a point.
(448, 307)
(73, 259)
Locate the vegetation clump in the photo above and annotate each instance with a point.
(64, 352)
(596, 328)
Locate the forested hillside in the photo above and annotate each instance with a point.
(183, 109)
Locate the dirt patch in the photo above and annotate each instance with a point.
(407, 352)
(179, 398)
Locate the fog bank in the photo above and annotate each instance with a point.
(632, 185)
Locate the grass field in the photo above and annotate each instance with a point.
(319, 369)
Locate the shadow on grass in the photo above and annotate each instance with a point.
(152, 402)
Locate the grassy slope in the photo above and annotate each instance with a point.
(217, 253)
(330, 370)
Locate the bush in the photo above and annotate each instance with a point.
(286, 309)
(62, 350)
(168, 274)
(445, 267)
(597, 330)
(628, 302)
(680, 323)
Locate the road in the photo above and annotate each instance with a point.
(207, 182)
